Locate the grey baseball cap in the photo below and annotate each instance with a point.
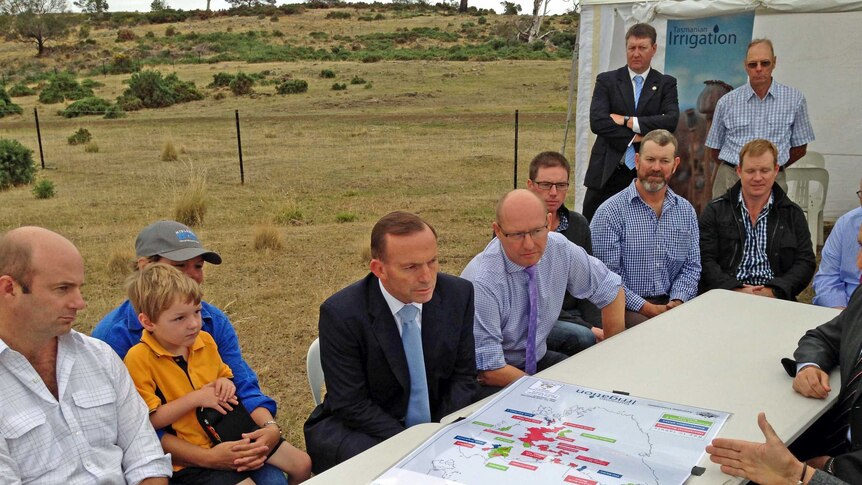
(172, 240)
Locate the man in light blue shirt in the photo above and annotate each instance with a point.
(649, 235)
(838, 275)
(761, 108)
(501, 277)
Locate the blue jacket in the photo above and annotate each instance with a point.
(121, 330)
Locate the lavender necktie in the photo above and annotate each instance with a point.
(418, 407)
(533, 320)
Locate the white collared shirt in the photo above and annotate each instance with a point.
(98, 431)
(395, 306)
(636, 127)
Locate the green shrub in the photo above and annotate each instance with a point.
(274, 18)
(338, 15)
(369, 86)
(114, 111)
(150, 35)
(241, 84)
(16, 164)
(80, 137)
(327, 73)
(345, 217)
(43, 189)
(170, 31)
(291, 86)
(357, 80)
(221, 80)
(482, 21)
(91, 84)
(63, 86)
(339, 87)
(86, 107)
(369, 58)
(7, 107)
(21, 89)
(122, 64)
(84, 31)
(152, 90)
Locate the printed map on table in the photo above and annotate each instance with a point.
(541, 431)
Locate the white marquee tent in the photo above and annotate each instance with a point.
(817, 49)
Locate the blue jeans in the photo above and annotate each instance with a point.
(570, 338)
(269, 475)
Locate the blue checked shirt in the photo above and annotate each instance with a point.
(754, 268)
(654, 256)
(741, 116)
(500, 324)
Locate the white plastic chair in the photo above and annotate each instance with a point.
(314, 370)
(807, 187)
(811, 159)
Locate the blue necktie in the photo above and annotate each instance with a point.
(532, 320)
(630, 151)
(418, 409)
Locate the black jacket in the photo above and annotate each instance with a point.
(788, 247)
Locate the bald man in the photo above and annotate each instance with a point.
(70, 411)
(524, 259)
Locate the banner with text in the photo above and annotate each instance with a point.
(706, 56)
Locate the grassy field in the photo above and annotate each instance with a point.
(436, 138)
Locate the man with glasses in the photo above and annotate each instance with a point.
(579, 324)
(648, 234)
(838, 275)
(627, 104)
(761, 108)
(520, 280)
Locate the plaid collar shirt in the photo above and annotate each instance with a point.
(754, 268)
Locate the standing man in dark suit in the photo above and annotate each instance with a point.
(382, 373)
(835, 440)
(627, 104)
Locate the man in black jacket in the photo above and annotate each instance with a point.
(753, 238)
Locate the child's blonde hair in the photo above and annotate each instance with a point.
(155, 288)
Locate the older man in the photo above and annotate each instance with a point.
(627, 104)
(838, 276)
(520, 280)
(579, 324)
(761, 108)
(175, 244)
(396, 346)
(753, 238)
(649, 235)
(71, 413)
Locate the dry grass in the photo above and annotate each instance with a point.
(91, 147)
(268, 238)
(191, 205)
(435, 138)
(169, 153)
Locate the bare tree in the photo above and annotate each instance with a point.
(540, 9)
(462, 7)
(37, 21)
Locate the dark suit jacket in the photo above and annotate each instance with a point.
(574, 309)
(365, 368)
(658, 107)
(839, 342)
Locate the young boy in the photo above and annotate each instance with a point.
(177, 369)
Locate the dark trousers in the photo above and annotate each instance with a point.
(620, 179)
(550, 358)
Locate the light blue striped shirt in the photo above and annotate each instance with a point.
(654, 256)
(502, 299)
(837, 277)
(741, 116)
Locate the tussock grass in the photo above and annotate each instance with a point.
(120, 263)
(91, 147)
(169, 152)
(191, 205)
(268, 238)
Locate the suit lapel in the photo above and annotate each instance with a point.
(386, 331)
(625, 89)
(650, 88)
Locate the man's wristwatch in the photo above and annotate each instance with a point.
(829, 467)
(626, 120)
(273, 422)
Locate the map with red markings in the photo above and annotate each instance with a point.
(541, 431)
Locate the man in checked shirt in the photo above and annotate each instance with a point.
(648, 234)
(70, 411)
(754, 239)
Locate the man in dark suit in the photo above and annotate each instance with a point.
(366, 331)
(627, 104)
(837, 342)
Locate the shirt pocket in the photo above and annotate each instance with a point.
(31, 442)
(96, 412)
(678, 248)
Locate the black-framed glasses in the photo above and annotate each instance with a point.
(547, 185)
(859, 194)
(753, 64)
(519, 236)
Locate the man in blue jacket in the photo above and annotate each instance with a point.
(175, 244)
